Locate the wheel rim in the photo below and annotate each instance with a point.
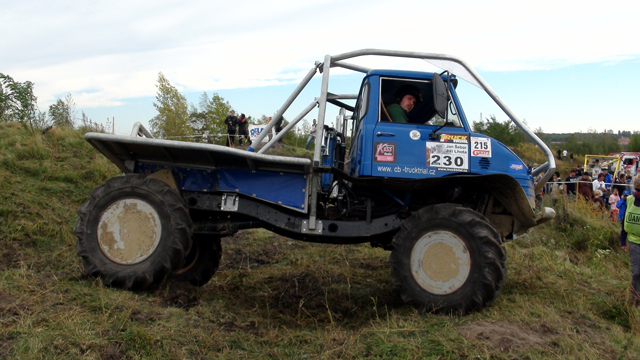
(440, 262)
(129, 231)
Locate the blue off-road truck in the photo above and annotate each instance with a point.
(441, 198)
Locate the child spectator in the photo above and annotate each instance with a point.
(613, 200)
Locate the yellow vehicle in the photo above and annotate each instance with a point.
(595, 163)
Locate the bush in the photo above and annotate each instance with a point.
(580, 226)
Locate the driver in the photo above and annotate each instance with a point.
(407, 97)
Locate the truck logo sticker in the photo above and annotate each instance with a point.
(414, 135)
(515, 166)
(385, 152)
(448, 156)
(454, 138)
(480, 146)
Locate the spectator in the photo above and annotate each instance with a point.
(570, 183)
(597, 199)
(243, 129)
(598, 184)
(585, 187)
(231, 121)
(559, 155)
(631, 232)
(278, 127)
(571, 157)
(621, 205)
(270, 132)
(608, 179)
(312, 134)
(579, 171)
(620, 183)
(555, 187)
(613, 200)
(564, 155)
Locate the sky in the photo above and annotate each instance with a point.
(562, 66)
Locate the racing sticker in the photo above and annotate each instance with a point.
(514, 167)
(448, 156)
(385, 152)
(454, 138)
(480, 146)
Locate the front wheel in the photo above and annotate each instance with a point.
(448, 259)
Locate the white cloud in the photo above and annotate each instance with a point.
(105, 52)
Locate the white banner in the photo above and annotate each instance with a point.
(255, 130)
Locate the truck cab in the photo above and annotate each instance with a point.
(433, 143)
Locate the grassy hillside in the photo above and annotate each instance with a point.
(565, 295)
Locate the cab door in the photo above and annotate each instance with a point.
(408, 151)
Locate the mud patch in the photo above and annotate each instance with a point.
(10, 257)
(143, 316)
(115, 351)
(6, 345)
(506, 337)
(6, 300)
(244, 258)
(180, 295)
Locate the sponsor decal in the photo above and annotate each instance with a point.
(385, 152)
(515, 166)
(255, 130)
(414, 135)
(454, 138)
(480, 146)
(448, 156)
(407, 170)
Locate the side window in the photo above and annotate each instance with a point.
(361, 107)
(422, 112)
(363, 102)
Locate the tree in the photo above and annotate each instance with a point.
(208, 118)
(62, 112)
(506, 132)
(634, 143)
(173, 111)
(17, 101)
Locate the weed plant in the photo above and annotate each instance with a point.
(565, 295)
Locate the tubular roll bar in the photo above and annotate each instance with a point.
(337, 61)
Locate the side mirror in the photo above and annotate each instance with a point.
(440, 95)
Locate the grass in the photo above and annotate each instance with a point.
(565, 295)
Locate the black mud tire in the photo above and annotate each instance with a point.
(471, 232)
(202, 262)
(168, 245)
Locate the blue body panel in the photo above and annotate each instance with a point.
(392, 150)
(287, 189)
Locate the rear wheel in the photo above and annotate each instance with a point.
(133, 231)
(202, 261)
(448, 259)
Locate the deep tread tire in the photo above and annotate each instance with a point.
(487, 270)
(202, 262)
(173, 239)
